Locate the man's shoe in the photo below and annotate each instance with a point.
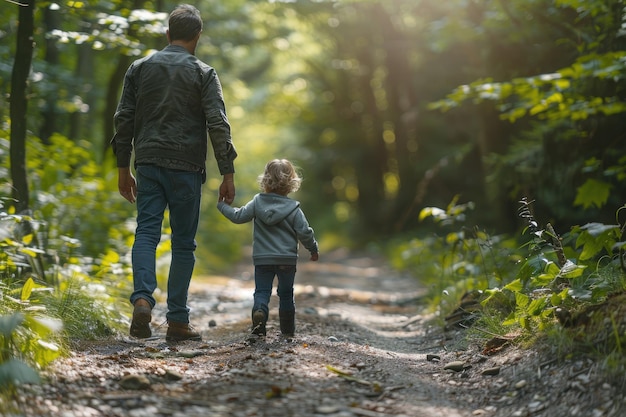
(142, 316)
(179, 332)
(258, 323)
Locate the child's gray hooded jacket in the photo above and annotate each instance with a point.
(279, 224)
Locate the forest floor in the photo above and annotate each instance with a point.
(363, 348)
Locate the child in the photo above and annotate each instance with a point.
(279, 224)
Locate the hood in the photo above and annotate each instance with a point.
(273, 208)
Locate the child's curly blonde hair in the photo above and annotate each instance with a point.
(280, 177)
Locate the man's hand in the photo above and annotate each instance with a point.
(227, 189)
(127, 184)
(315, 256)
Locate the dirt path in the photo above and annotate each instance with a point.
(362, 349)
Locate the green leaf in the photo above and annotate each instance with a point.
(542, 280)
(452, 238)
(597, 229)
(521, 300)
(490, 293)
(514, 286)
(523, 321)
(537, 306)
(552, 270)
(593, 193)
(27, 289)
(580, 293)
(437, 213)
(617, 246)
(15, 371)
(8, 324)
(32, 252)
(27, 239)
(43, 325)
(571, 270)
(532, 267)
(595, 237)
(46, 352)
(510, 320)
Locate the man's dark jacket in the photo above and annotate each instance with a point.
(170, 101)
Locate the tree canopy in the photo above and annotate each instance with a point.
(388, 106)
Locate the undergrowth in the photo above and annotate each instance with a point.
(46, 301)
(540, 287)
(60, 273)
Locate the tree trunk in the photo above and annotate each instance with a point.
(112, 97)
(402, 112)
(83, 73)
(115, 83)
(49, 113)
(19, 103)
(373, 157)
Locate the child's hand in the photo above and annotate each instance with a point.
(315, 256)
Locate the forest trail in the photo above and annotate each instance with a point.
(362, 348)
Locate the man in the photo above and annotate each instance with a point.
(170, 101)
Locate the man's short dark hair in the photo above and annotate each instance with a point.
(185, 23)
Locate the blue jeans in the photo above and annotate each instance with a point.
(263, 281)
(157, 189)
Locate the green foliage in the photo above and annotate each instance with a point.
(43, 302)
(77, 205)
(348, 98)
(555, 276)
(49, 291)
(555, 96)
(524, 285)
(547, 294)
(592, 193)
(37, 317)
(28, 338)
(459, 261)
(570, 155)
(110, 31)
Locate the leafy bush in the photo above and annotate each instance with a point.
(44, 303)
(531, 286)
(77, 198)
(61, 274)
(561, 275)
(458, 261)
(24, 339)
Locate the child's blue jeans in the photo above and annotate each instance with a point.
(264, 279)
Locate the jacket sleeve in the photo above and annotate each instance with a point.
(218, 126)
(124, 120)
(304, 232)
(237, 215)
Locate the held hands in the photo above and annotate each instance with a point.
(227, 189)
(127, 184)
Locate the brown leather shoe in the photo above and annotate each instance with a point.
(142, 316)
(178, 332)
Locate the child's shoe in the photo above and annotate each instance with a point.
(287, 323)
(258, 323)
